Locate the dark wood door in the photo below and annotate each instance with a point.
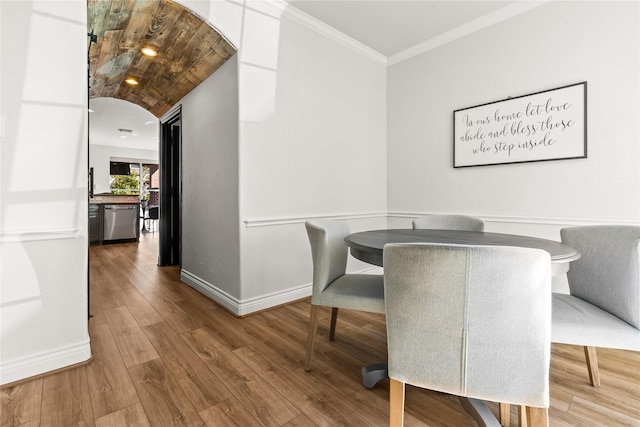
(170, 189)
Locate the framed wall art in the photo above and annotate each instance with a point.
(546, 125)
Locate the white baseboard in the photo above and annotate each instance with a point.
(36, 364)
(244, 307)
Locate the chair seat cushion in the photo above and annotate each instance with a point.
(577, 322)
(364, 292)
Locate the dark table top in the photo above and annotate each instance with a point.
(367, 245)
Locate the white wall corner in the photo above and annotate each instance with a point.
(283, 8)
(509, 11)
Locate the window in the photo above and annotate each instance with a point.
(124, 178)
(140, 179)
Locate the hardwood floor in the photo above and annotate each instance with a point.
(165, 355)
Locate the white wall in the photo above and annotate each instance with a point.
(553, 45)
(210, 176)
(43, 215)
(101, 155)
(300, 99)
(318, 135)
(315, 147)
(312, 139)
(304, 97)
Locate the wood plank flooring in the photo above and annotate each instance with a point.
(165, 355)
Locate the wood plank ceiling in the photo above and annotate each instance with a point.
(189, 51)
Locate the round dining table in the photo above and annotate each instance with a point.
(368, 246)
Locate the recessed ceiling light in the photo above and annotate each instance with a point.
(131, 81)
(149, 51)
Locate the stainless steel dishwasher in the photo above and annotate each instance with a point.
(120, 222)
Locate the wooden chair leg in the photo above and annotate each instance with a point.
(592, 365)
(536, 417)
(522, 416)
(334, 319)
(505, 414)
(311, 336)
(396, 403)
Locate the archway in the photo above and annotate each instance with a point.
(152, 53)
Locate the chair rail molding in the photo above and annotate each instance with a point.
(560, 221)
(266, 222)
(39, 235)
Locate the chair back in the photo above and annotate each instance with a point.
(472, 321)
(153, 212)
(449, 222)
(607, 274)
(328, 251)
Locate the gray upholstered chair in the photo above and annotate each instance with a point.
(331, 286)
(472, 321)
(449, 222)
(603, 308)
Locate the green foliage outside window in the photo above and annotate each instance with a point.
(130, 184)
(126, 184)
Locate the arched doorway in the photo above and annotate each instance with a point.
(152, 53)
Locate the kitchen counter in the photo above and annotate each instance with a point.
(111, 199)
(114, 223)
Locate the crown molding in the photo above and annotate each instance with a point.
(282, 8)
(484, 21)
